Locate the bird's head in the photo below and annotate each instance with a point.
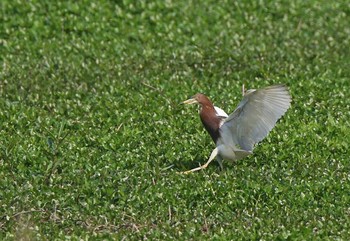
(198, 99)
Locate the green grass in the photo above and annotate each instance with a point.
(92, 134)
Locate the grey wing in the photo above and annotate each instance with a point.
(257, 114)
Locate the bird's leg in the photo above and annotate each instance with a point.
(212, 156)
(220, 160)
(243, 89)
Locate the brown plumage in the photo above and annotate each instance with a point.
(208, 116)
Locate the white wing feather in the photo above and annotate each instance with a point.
(256, 115)
(220, 112)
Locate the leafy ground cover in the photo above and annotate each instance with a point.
(92, 134)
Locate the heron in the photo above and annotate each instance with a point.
(236, 135)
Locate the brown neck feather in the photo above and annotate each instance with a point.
(209, 119)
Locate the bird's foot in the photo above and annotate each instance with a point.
(212, 156)
(195, 169)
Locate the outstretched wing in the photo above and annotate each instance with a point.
(257, 114)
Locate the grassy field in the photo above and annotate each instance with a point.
(92, 132)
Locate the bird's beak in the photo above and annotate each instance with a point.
(190, 101)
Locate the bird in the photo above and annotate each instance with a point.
(236, 135)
